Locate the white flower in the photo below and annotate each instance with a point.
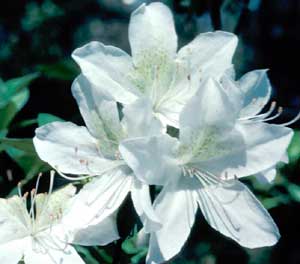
(155, 69)
(216, 146)
(93, 151)
(42, 234)
(251, 93)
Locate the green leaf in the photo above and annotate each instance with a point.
(14, 94)
(273, 202)
(137, 258)
(129, 246)
(44, 119)
(62, 70)
(24, 144)
(86, 254)
(13, 86)
(8, 112)
(23, 153)
(17, 84)
(294, 191)
(26, 123)
(3, 133)
(103, 254)
(294, 147)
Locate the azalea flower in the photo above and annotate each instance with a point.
(43, 234)
(92, 151)
(251, 93)
(221, 139)
(155, 69)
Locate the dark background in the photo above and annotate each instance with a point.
(39, 36)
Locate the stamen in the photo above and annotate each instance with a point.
(279, 112)
(44, 206)
(269, 112)
(263, 115)
(206, 178)
(32, 200)
(295, 119)
(74, 178)
(52, 174)
(20, 189)
(25, 195)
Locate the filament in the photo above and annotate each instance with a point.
(295, 119)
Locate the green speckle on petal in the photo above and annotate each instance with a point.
(153, 73)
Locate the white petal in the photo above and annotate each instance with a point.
(12, 251)
(49, 205)
(106, 67)
(213, 106)
(152, 158)
(140, 195)
(139, 119)
(14, 219)
(201, 134)
(234, 211)
(45, 251)
(233, 91)
(180, 91)
(257, 89)
(102, 233)
(209, 54)
(267, 176)
(176, 207)
(152, 31)
(153, 43)
(70, 149)
(285, 158)
(101, 116)
(98, 199)
(264, 145)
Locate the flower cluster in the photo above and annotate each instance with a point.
(129, 105)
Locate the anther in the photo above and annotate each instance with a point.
(25, 195)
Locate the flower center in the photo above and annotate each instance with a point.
(204, 177)
(39, 215)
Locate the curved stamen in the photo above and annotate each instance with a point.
(263, 115)
(295, 119)
(205, 177)
(20, 189)
(78, 178)
(33, 195)
(46, 202)
(74, 178)
(279, 112)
